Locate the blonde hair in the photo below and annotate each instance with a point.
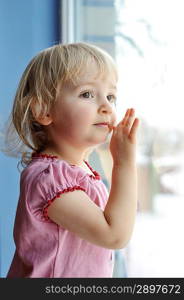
(38, 86)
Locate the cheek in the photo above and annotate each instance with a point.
(114, 116)
(72, 120)
(81, 117)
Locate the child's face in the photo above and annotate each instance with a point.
(79, 107)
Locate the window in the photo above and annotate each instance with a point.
(145, 37)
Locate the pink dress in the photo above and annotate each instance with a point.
(43, 248)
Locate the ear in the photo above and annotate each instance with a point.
(46, 120)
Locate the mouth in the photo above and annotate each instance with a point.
(105, 125)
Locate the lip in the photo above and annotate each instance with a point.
(103, 125)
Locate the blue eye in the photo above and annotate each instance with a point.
(87, 95)
(111, 98)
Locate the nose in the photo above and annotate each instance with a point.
(105, 107)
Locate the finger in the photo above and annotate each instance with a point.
(128, 120)
(127, 113)
(133, 130)
(125, 117)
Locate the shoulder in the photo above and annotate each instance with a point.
(46, 179)
(52, 174)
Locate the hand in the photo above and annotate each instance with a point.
(123, 140)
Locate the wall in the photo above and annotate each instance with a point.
(26, 27)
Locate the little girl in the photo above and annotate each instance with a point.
(67, 224)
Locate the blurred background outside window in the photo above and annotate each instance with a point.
(146, 39)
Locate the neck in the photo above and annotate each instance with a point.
(69, 154)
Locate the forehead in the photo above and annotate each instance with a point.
(92, 73)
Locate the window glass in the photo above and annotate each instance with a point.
(146, 39)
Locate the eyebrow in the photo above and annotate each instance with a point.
(93, 83)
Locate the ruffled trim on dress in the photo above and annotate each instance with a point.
(95, 176)
(35, 155)
(69, 189)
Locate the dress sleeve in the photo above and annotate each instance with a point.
(57, 178)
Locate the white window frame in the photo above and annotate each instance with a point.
(67, 21)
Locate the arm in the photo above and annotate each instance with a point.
(121, 207)
(77, 213)
(112, 227)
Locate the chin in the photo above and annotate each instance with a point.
(97, 139)
(101, 140)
